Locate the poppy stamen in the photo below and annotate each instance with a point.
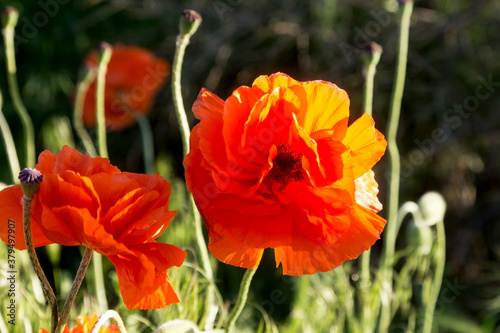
(287, 167)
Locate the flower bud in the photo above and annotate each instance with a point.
(432, 207)
(104, 51)
(30, 181)
(419, 237)
(190, 21)
(10, 16)
(371, 54)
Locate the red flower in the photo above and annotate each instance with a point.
(85, 325)
(276, 166)
(87, 201)
(133, 79)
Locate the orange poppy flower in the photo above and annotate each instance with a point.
(85, 325)
(133, 79)
(87, 201)
(276, 166)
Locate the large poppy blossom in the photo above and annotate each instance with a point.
(133, 79)
(87, 201)
(277, 166)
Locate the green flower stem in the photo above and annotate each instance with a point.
(370, 68)
(47, 289)
(371, 59)
(10, 147)
(99, 282)
(104, 55)
(395, 164)
(367, 318)
(81, 90)
(147, 143)
(109, 314)
(29, 132)
(181, 44)
(440, 257)
(77, 282)
(242, 299)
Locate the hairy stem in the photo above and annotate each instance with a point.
(28, 130)
(242, 299)
(103, 59)
(387, 259)
(182, 42)
(77, 282)
(81, 90)
(10, 146)
(47, 289)
(437, 279)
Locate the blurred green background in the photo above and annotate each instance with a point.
(449, 133)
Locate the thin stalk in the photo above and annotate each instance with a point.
(77, 282)
(181, 44)
(109, 314)
(81, 90)
(10, 146)
(28, 130)
(47, 289)
(147, 143)
(374, 51)
(104, 55)
(395, 164)
(99, 282)
(242, 299)
(440, 258)
(367, 318)
(370, 59)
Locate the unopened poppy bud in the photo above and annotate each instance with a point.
(30, 181)
(372, 53)
(190, 21)
(10, 16)
(373, 48)
(420, 238)
(432, 207)
(104, 51)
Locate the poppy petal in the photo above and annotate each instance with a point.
(324, 106)
(309, 258)
(366, 192)
(366, 143)
(208, 106)
(11, 212)
(144, 282)
(235, 253)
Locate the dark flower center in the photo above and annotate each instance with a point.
(287, 167)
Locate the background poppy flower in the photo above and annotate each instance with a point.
(277, 166)
(133, 79)
(87, 201)
(85, 325)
